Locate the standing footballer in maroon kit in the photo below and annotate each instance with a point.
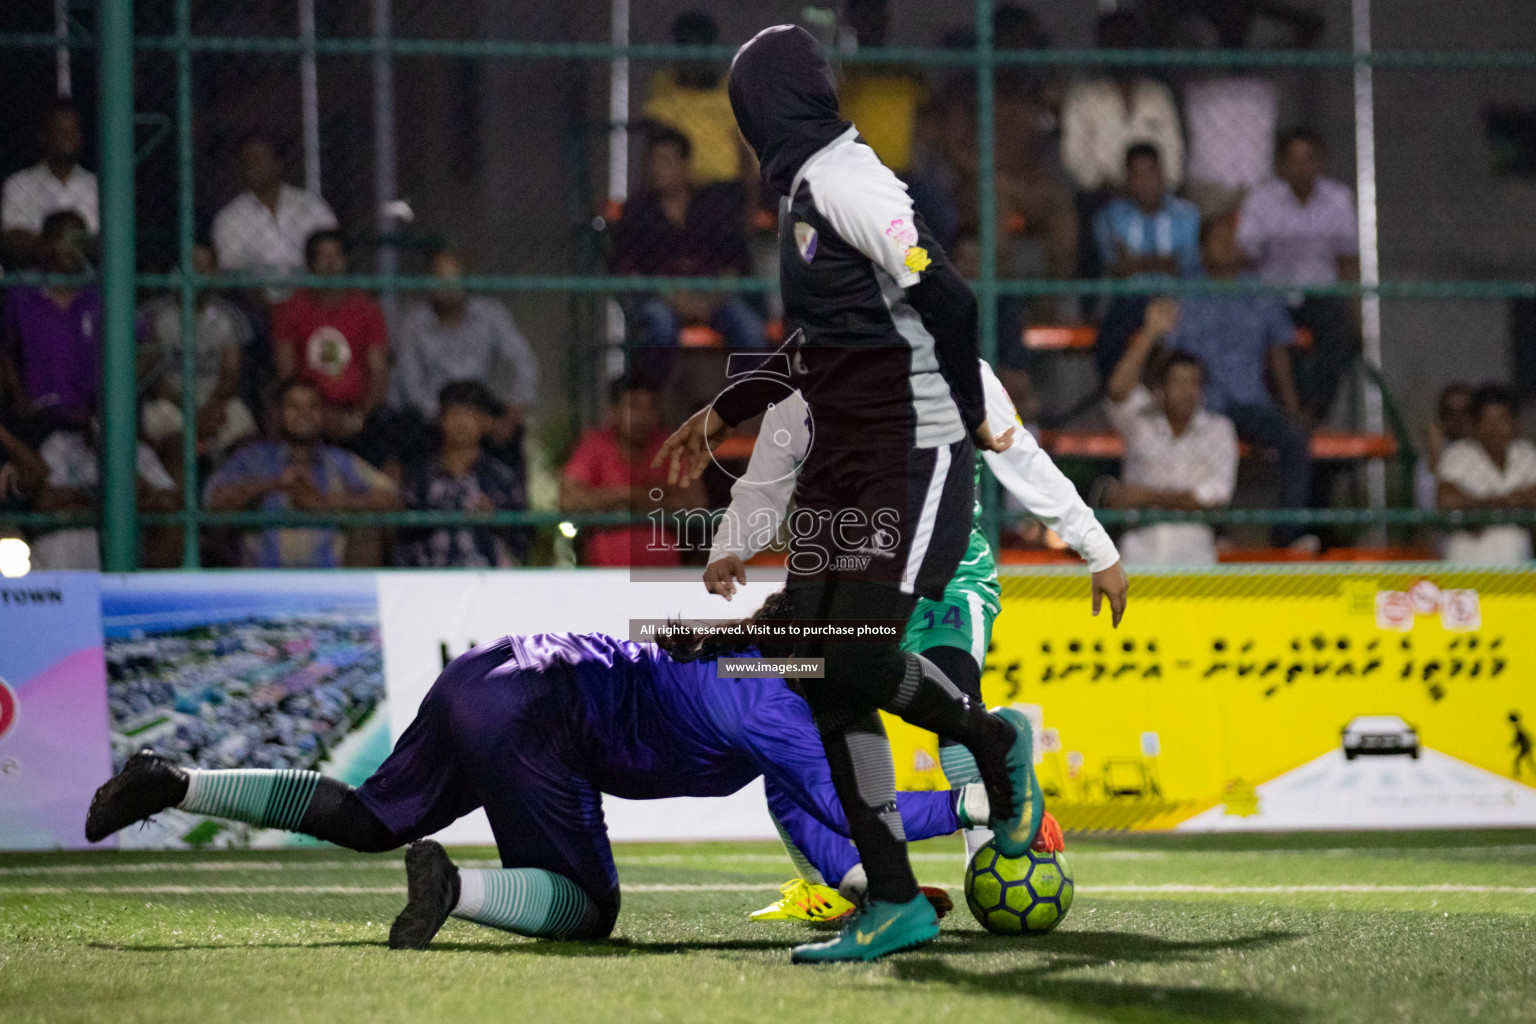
(887, 360)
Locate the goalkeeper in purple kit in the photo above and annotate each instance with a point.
(534, 729)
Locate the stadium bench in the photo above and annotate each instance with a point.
(1046, 338)
(1327, 445)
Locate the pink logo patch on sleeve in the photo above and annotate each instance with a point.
(902, 232)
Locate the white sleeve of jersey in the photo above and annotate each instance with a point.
(1044, 491)
(869, 207)
(761, 496)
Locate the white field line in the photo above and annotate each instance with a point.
(686, 859)
(1096, 890)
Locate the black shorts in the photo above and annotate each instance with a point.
(897, 516)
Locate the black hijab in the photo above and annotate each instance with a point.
(785, 100)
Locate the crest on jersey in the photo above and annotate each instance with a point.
(805, 240)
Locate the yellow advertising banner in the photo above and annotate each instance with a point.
(1276, 697)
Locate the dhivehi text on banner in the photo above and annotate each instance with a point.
(1351, 696)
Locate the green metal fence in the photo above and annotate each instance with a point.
(121, 278)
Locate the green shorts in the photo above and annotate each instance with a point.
(962, 619)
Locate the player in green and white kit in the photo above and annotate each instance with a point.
(952, 633)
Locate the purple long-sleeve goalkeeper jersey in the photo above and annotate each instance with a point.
(652, 727)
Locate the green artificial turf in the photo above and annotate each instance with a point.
(1176, 928)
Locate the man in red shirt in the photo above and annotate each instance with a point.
(336, 340)
(610, 471)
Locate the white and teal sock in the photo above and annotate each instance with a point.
(803, 866)
(527, 901)
(270, 798)
(959, 765)
(973, 806)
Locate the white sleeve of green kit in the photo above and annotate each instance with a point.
(761, 496)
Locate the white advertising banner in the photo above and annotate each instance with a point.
(429, 618)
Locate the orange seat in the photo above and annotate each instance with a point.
(1379, 555)
(765, 220)
(1105, 444)
(613, 209)
(1265, 555)
(1047, 339)
(772, 559)
(773, 330)
(1303, 338)
(1037, 556)
(700, 336)
(736, 448)
(1339, 445)
(1333, 446)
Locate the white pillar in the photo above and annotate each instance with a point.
(309, 97)
(385, 185)
(1370, 265)
(65, 87)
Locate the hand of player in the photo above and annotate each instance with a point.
(1161, 315)
(1111, 583)
(721, 576)
(988, 443)
(687, 450)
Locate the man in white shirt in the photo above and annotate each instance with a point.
(264, 228)
(1178, 455)
(56, 182)
(1495, 468)
(1302, 229)
(1102, 117)
(73, 462)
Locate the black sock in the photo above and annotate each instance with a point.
(929, 700)
(862, 772)
(336, 815)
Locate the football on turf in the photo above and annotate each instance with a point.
(1030, 894)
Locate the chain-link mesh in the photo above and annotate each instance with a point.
(419, 244)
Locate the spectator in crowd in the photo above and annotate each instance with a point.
(336, 340)
(1241, 340)
(223, 420)
(264, 230)
(690, 97)
(1232, 121)
(1146, 234)
(56, 182)
(22, 471)
(1102, 118)
(1178, 454)
(881, 100)
(670, 228)
(71, 455)
(1495, 468)
(50, 337)
(1301, 229)
(454, 336)
(297, 471)
(1037, 229)
(610, 471)
(1453, 422)
(462, 477)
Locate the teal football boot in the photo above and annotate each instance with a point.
(1014, 828)
(879, 928)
